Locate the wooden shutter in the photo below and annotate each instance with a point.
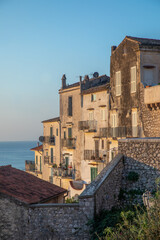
(51, 131)
(133, 79)
(118, 83)
(69, 132)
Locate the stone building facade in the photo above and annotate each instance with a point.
(134, 95)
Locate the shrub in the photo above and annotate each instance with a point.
(133, 176)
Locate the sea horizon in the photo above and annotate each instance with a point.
(16, 152)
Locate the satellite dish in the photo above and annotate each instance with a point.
(95, 74)
(41, 139)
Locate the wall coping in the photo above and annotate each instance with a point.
(92, 188)
(149, 139)
(53, 205)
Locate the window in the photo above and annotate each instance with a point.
(69, 132)
(114, 120)
(69, 106)
(118, 83)
(102, 144)
(51, 155)
(81, 101)
(114, 124)
(51, 131)
(40, 164)
(91, 116)
(133, 79)
(134, 123)
(149, 77)
(93, 97)
(64, 134)
(36, 159)
(57, 131)
(103, 114)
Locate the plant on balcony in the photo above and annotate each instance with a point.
(54, 165)
(69, 166)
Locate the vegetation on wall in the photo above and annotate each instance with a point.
(132, 222)
(133, 176)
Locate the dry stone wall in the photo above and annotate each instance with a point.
(142, 157)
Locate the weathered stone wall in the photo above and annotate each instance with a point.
(13, 219)
(106, 187)
(45, 221)
(141, 156)
(107, 195)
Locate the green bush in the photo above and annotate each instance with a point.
(133, 176)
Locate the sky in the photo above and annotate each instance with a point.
(40, 40)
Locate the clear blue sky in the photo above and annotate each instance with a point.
(42, 39)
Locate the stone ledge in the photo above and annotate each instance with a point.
(54, 205)
(142, 140)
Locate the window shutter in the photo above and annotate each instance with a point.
(133, 79)
(118, 83)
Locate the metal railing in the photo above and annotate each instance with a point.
(50, 160)
(96, 155)
(47, 139)
(64, 173)
(69, 143)
(29, 166)
(89, 125)
(121, 132)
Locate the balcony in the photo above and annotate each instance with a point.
(152, 97)
(69, 143)
(51, 160)
(63, 172)
(89, 126)
(47, 139)
(29, 166)
(98, 156)
(121, 132)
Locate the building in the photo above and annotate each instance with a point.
(134, 97)
(27, 188)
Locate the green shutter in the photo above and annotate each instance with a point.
(69, 132)
(94, 172)
(51, 131)
(51, 155)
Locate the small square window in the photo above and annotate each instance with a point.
(93, 97)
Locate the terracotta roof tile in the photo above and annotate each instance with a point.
(52, 120)
(38, 148)
(26, 187)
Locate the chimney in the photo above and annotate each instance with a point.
(37, 144)
(113, 48)
(63, 81)
(80, 78)
(86, 78)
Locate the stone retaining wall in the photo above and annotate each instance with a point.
(141, 156)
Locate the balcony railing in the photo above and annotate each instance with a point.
(30, 166)
(69, 143)
(63, 173)
(47, 139)
(90, 125)
(121, 132)
(51, 160)
(51, 179)
(99, 156)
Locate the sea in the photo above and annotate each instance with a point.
(16, 152)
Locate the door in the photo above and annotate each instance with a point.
(94, 172)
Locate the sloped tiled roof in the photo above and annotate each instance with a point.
(145, 41)
(26, 187)
(52, 120)
(38, 148)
